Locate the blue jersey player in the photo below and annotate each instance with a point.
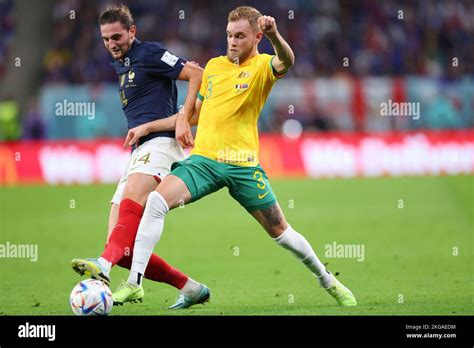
(147, 74)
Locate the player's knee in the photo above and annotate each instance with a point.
(174, 191)
(138, 187)
(139, 199)
(277, 230)
(157, 205)
(135, 195)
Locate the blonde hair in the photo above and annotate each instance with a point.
(245, 12)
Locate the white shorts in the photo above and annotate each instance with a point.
(153, 157)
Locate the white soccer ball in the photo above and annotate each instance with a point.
(91, 297)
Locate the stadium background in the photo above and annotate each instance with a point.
(322, 121)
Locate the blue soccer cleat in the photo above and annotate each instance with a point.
(184, 301)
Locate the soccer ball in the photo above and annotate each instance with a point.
(91, 297)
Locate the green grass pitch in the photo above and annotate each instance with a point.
(418, 259)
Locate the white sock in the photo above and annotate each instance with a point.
(149, 233)
(191, 288)
(301, 249)
(106, 265)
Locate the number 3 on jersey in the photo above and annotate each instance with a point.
(209, 90)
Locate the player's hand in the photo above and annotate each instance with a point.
(134, 135)
(267, 25)
(183, 132)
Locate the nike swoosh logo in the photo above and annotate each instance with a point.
(212, 76)
(263, 196)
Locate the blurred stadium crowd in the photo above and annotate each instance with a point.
(380, 38)
(369, 32)
(6, 32)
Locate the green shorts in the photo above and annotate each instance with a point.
(247, 185)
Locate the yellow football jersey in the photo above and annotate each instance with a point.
(233, 96)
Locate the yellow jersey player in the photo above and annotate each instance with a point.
(233, 91)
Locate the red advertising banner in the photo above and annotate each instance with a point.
(321, 155)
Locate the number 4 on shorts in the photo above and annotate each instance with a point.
(145, 159)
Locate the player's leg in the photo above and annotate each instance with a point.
(157, 269)
(121, 240)
(149, 233)
(189, 181)
(113, 218)
(136, 188)
(146, 166)
(251, 188)
(273, 221)
(90, 266)
(168, 195)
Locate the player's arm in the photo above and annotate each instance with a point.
(285, 58)
(194, 120)
(193, 74)
(160, 125)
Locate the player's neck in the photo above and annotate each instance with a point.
(131, 45)
(253, 54)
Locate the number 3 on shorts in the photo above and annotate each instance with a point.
(259, 177)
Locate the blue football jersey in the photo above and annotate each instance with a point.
(147, 84)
